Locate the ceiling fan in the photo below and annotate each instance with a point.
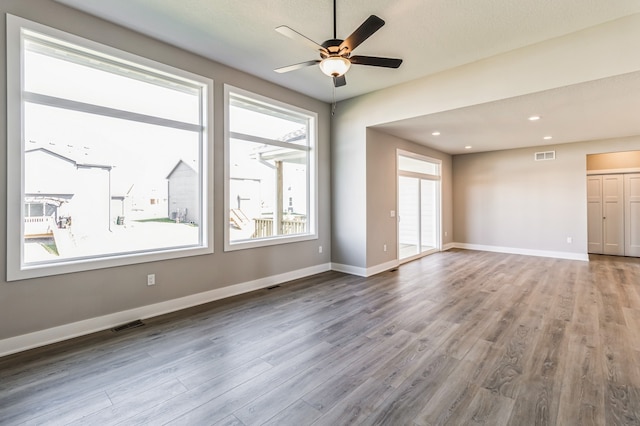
(335, 54)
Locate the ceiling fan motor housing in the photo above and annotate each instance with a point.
(332, 47)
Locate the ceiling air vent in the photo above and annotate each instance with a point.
(546, 155)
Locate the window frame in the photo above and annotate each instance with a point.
(16, 267)
(312, 173)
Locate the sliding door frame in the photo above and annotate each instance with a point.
(437, 177)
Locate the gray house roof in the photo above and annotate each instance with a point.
(69, 159)
(177, 166)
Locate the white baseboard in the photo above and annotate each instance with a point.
(372, 270)
(528, 252)
(348, 269)
(364, 272)
(36, 339)
(382, 267)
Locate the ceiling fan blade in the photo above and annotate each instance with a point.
(375, 61)
(339, 81)
(297, 66)
(294, 35)
(363, 32)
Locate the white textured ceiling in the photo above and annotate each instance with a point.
(600, 109)
(429, 35)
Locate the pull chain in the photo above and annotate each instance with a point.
(333, 105)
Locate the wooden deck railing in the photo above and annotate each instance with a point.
(39, 226)
(264, 227)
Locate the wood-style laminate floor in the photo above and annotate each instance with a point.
(459, 337)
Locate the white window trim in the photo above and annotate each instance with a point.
(15, 160)
(312, 174)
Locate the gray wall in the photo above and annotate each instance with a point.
(506, 199)
(599, 52)
(37, 304)
(349, 189)
(382, 194)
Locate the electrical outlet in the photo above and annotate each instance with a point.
(320, 249)
(569, 240)
(151, 279)
(384, 247)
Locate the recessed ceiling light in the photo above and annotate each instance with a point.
(468, 147)
(436, 133)
(534, 118)
(547, 138)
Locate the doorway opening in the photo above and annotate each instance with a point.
(419, 188)
(613, 203)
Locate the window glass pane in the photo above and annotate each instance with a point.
(267, 190)
(108, 157)
(428, 214)
(133, 147)
(68, 75)
(409, 164)
(269, 157)
(118, 186)
(250, 119)
(409, 216)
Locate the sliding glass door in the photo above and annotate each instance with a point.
(408, 216)
(418, 206)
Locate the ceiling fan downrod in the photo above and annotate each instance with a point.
(334, 20)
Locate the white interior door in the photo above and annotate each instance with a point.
(632, 214)
(613, 214)
(594, 215)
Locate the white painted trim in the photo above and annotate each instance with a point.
(348, 269)
(21, 343)
(448, 246)
(382, 267)
(364, 272)
(526, 252)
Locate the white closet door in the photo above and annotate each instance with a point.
(613, 214)
(632, 214)
(594, 214)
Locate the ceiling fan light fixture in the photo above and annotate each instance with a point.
(335, 54)
(335, 66)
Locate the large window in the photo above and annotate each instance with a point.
(270, 171)
(108, 156)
